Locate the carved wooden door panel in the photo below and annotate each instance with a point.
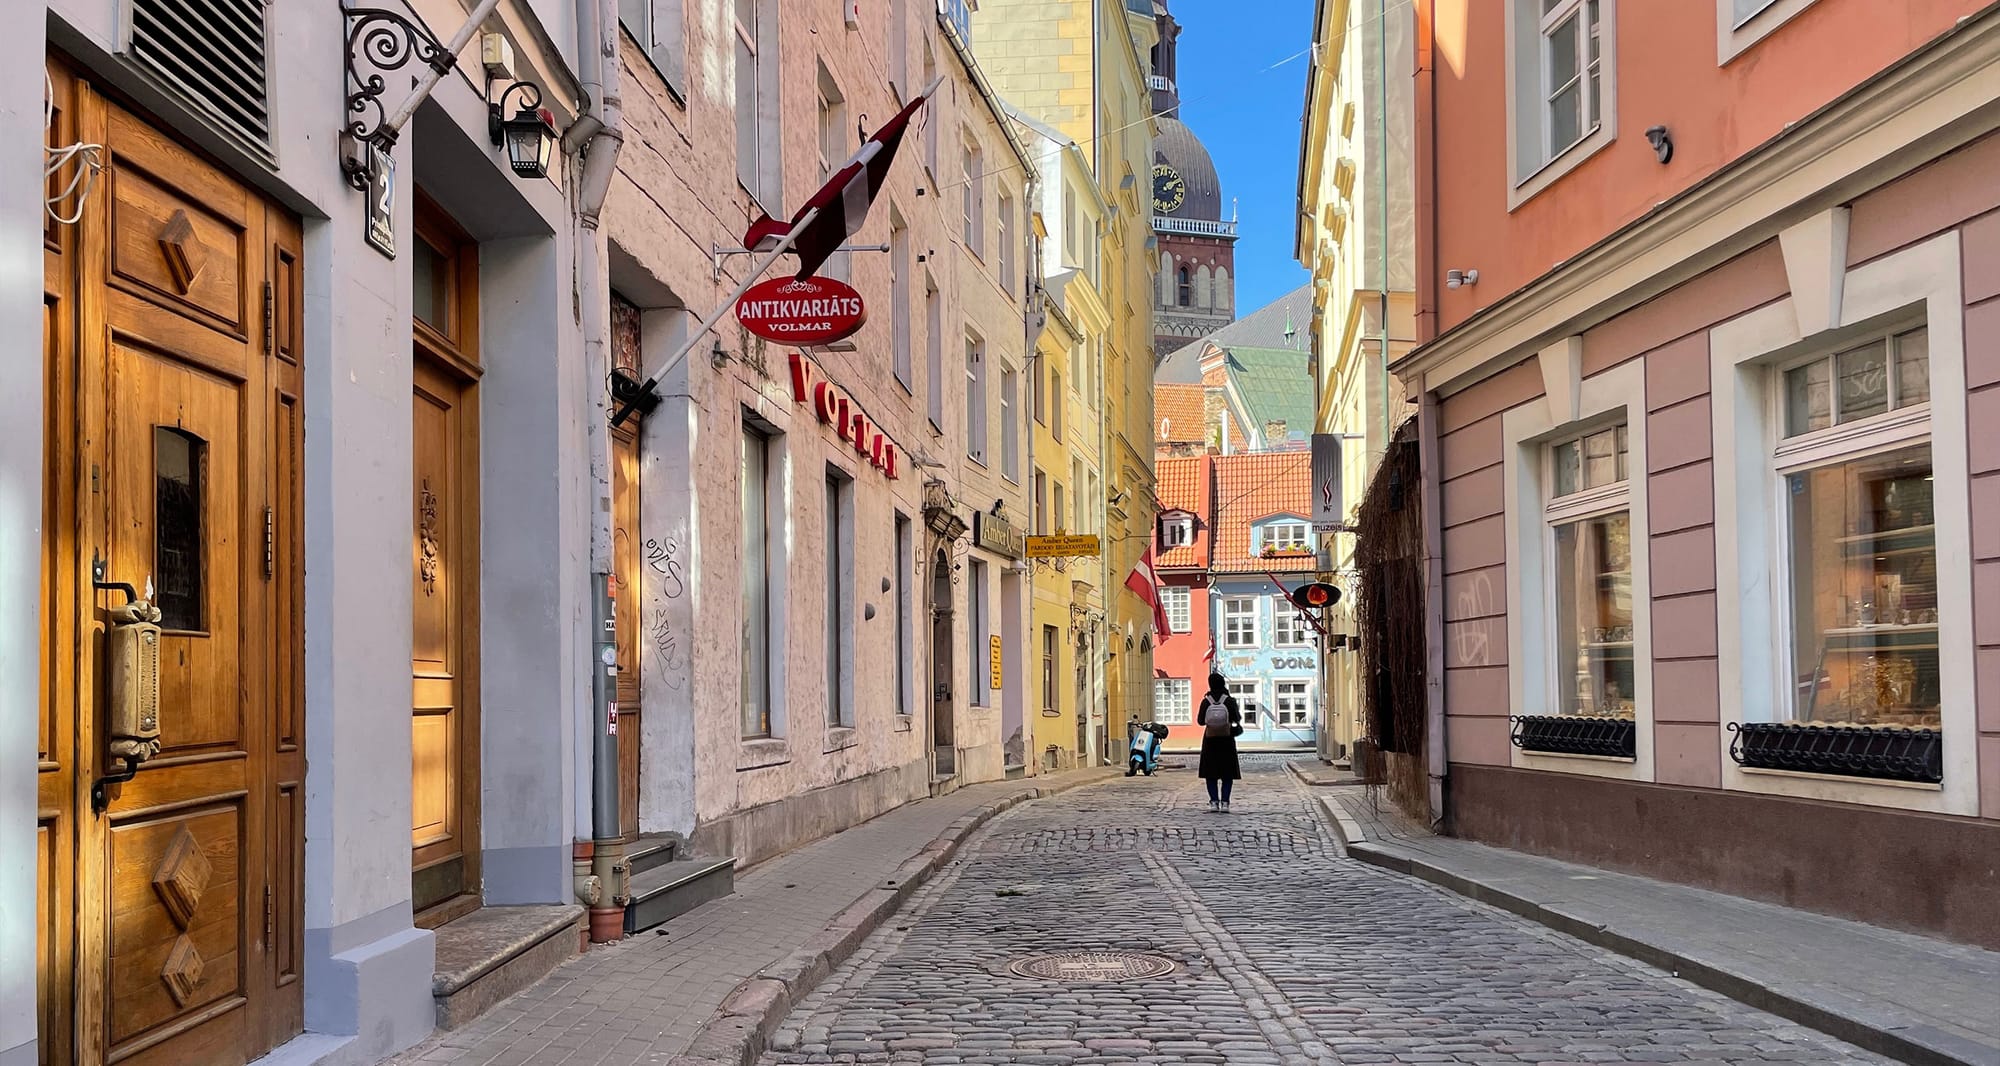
(444, 726)
(185, 888)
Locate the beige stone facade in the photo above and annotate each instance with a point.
(917, 703)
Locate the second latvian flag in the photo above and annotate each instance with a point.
(1143, 582)
(843, 201)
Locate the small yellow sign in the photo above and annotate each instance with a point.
(1053, 547)
(996, 663)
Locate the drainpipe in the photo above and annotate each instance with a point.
(597, 136)
(1382, 165)
(1436, 751)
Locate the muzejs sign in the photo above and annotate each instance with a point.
(1329, 502)
(802, 311)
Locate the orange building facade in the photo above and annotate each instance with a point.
(1709, 319)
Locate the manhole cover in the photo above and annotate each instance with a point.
(1080, 967)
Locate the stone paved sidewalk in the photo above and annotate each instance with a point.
(644, 1000)
(1914, 998)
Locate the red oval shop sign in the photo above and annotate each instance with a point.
(801, 311)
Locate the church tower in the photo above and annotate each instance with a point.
(1197, 246)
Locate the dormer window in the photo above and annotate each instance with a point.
(1285, 538)
(1176, 530)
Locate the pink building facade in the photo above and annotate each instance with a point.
(1713, 482)
(1183, 546)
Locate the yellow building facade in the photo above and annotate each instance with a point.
(1074, 74)
(1356, 230)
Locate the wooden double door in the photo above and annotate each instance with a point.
(170, 904)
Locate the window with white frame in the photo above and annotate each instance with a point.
(1010, 431)
(1057, 402)
(1288, 626)
(973, 194)
(1006, 239)
(1742, 23)
(1072, 226)
(1051, 641)
(898, 27)
(834, 150)
(755, 26)
(1572, 78)
(899, 295)
(1173, 701)
(933, 353)
(1177, 600)
(661, 30)
(759, 538)
(1239, 622)
(1250, 701)
(1292, 703)
(1589, 520)
(976, 628)
(1285, 537)
(975, 399)
(839, 534)
(1562, 76)
(1854, 456)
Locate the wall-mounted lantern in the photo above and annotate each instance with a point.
(530, 136)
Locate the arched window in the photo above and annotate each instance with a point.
(1186, 290)
(1202, 298)
(1166, 279)
(1224, 296)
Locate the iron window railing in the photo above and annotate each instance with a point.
(1889, 753)
(1576, 734)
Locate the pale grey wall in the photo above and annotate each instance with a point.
(21, 386)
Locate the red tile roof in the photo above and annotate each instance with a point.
(1178, 412)
(1183, 486)
(1250, 488)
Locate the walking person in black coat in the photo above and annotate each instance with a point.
(1221, 720)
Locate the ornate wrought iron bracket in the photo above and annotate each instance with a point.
(379, 41)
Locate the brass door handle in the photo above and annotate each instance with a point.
(132, 675)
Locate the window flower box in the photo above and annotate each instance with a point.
(1287, 553)
(1604, 736)
(1887, 753)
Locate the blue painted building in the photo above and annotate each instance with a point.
(1268, 650)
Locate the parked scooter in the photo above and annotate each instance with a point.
(1145, 747)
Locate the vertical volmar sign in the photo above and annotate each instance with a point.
(1329, 503)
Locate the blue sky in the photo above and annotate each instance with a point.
(1250, 123)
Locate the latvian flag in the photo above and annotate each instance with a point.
(1147, 587)
(843, 201)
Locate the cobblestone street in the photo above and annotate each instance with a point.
(1286, 952)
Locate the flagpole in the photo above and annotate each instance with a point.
(757, 270)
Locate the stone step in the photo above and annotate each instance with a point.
(495, 952)
(649, 852)
(674, 888)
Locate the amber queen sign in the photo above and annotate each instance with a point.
(804, 311)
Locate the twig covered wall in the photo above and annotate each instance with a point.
(1389, 553)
